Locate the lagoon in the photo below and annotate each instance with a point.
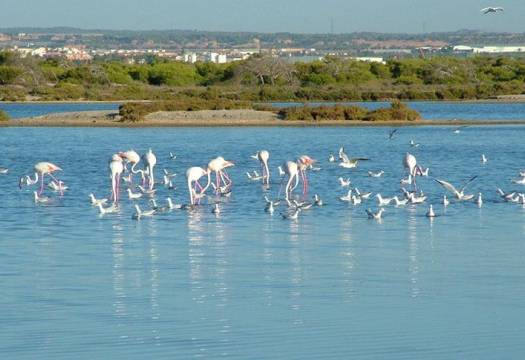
(331, 285)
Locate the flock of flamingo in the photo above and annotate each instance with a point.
(124, 167)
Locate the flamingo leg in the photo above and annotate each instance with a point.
(118, 189)
(197, 184)
(41, 185)
(58, 183)
(224, 174)
(113, 188)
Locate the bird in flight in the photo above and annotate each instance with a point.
(491, 10)
(391, 134)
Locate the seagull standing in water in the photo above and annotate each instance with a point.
(430, 213)
(479, 201)
(484, 159)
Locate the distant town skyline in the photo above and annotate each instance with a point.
(300, 16)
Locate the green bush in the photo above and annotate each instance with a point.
(8, 74)
(397, 111)
(3, 116)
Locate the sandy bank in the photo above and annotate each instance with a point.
(210, 118)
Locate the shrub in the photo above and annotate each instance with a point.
(8, 74)
(3, 116)
(397, 111)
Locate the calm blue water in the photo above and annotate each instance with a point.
(22, 110)
(435, 110)
(331, 285)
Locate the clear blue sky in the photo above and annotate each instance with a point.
(306, 16)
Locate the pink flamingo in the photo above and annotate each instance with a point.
(263, 157)
(133, 158)
(291, 169)
(41, 170)
(410, 163)
(218, 166)
(304, 162)
(116, 167)
(193, 175)
(150, 160)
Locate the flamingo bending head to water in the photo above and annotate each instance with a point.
(304, 162)
(193, 175)
(42, 169)
(291, 169)
(218, 166)
(263, 157)
(116, 168)
(131, 157)
(150, 160)
(410, 163)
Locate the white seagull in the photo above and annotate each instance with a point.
(484, 159)
(430, 213)
(376, 174)
(95, 201)
(460, 194)
(140, 214)
(347, 197)
(375, 216)
(348, 163)
(383, 201)
(491, 9)
(344, 182)
(133, 196)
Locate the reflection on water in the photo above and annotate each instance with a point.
(413, 265)
(296, 271)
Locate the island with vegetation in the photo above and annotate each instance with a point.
(159, 91)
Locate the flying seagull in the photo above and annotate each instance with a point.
(492, 10)
(391, 134)
(460, 194)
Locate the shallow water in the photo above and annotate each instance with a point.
(22, 110)
(332, 284)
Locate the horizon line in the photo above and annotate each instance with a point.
(71, 28)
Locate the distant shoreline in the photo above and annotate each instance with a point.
(499, 99)
(222, 118)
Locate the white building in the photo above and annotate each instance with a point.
(190, 58)
(222, 59)
(489, 49)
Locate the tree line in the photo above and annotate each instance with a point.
(261, 78)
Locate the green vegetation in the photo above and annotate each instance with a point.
(262, 78)
(397, 111)
(137, 111)
(3, 116)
